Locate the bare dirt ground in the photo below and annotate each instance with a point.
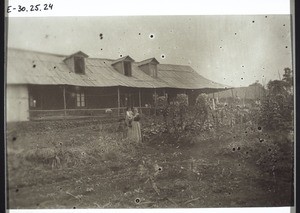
(88, 165)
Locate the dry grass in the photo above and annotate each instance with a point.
(70, 148)
(94, 166)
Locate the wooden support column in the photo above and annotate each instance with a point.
(187, 95)
(65, 103)
(118, 101)
(140, 101)
(140, 98)
(155, 100)
(41, 99)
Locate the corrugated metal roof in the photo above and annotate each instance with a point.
(185, 77)
(29, 67)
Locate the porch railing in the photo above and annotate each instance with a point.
(38, 114)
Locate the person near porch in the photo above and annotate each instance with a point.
(128, 122)
(136, 126)
(129, 117)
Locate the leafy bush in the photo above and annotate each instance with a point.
(276, 111)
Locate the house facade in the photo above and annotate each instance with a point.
(43, 85)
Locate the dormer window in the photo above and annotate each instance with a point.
(149, 66)
(79, 65)
(124, 65)
(127, 68)
(76, 62)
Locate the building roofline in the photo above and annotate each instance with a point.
(94, 58)
(162, 68)
(35, 51)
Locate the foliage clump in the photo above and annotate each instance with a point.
(276, 111)
(179, 117)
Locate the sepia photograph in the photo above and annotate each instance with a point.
(174, 111)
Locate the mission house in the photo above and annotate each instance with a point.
(49, 86)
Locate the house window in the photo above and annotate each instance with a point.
(127, 68)
(80, 100)
(79, 65)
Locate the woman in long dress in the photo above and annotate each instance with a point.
(136, 126)
(129, 121)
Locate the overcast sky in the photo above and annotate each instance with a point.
(232, 50)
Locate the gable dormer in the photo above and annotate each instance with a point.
(124, 65)
(149, 66)
(76, 62)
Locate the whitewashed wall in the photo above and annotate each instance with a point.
(17, 103)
